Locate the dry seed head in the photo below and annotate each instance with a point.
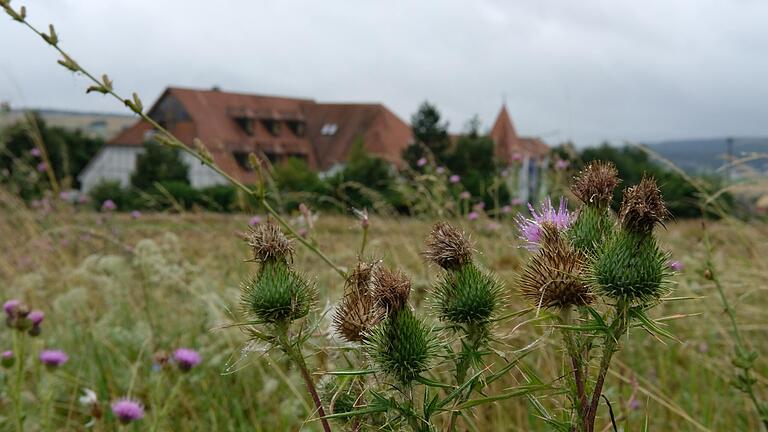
(642, 207)
(358, 311)
(448, 247)
(390, 289)
(269, 243)
(553, 277)
(595, 183)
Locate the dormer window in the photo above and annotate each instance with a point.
(246, 124)
(296, 127)
(329, 129)
(273, 126)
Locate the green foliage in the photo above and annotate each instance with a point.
(467, 295)
(364, 179)
(277, 294)
(68, 151)
(219, 198)
(403, 346)
(293, 175)
(111, 190)
(337, 394)
(473, 159)
(158, 163)
(630, 267)
(590, 228)
(430, 135)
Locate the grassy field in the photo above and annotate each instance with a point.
(116, 290)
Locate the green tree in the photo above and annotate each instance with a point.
(158, 163)
(363, 174)
(430, 135)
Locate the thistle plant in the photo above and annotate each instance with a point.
(608, 269)
(276, 297)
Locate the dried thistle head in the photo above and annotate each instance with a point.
(595, 183)
(358, 311)
(553, 277)
(642, 207)
(448, 247)
(269, 244)
(390, 289)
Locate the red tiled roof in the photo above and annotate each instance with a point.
(508, 143)
(210, 115)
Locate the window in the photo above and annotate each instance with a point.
(273, 126)
(329, 129)
(245, 124)
(242, 160)
(296, 127)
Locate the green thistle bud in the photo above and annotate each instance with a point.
(448, 247)
(590, 228)
(630, 268)
(467, 295)
(358, 311)
(402, 346)
(553, 278)
(595, 184)
(277, 294)
(340, 396)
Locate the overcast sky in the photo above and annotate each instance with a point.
(583, 70)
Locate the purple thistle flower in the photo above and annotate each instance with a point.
(473, 216)
(186, 358)
(254, 221)
(127, 410)
(517, 201)
(676, 266)
(561, 164)
(108, 205)
(454, 178)
(440, 170)
(42, 166)
(530, 229)
(135, 214)
(35, 152)
(479, 206)
(517, 157)
(507, 209)
(465, 195)
(36, 317)
(53, 358)
(10, 306)
(7, 359)
(421, 162)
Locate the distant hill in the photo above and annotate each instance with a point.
(707, 155)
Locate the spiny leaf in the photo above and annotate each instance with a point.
(520, 391)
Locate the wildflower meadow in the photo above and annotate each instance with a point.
(589, 308)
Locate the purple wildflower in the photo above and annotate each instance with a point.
(440, 170)
(108, 205)
(36, 317)
(561, 164)
(421, 162)
(517, 201)
(504, 173)
(186, 358)
(82, 199)
(127, 410)
(10, 306)
(7, 359)
(507, 209)
(135, 214)
(35, 152)
(479, 206)
(42, 166)
(454, 178)
(517, 157)
(634, 404)
(473, 216)
(465, 195)
(53, 358)
(254, 221)
(676, 266)
(530, 229)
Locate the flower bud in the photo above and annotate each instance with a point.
(358, 311)
(642, 207)
(467, 296)
(595, 183)
(269, 244)
(277, 294)
(7, 359)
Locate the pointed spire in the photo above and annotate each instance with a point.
(505, 137)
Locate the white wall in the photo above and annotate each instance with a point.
(118, 163)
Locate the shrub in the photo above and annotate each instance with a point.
(158, 163)
(112, 190)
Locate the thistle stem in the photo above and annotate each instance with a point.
(475, 335)
(295, 354)
(610, 346)
(18, 342)
(577, 362)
